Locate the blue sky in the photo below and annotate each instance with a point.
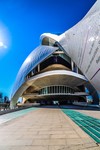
(21, 24)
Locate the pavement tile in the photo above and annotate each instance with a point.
(74, 141)
(44, 129)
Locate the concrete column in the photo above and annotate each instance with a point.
(72, 65)
(12, 104)
(39, 68)
(23, 100)
(76, 69)
(32, 73)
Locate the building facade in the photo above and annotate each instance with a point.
(55, 70)
(48, 74)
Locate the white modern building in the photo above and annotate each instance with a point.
(58, 68)
(82, 44)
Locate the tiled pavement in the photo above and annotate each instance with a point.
(92, 113)
(10, 116)
(44, 129)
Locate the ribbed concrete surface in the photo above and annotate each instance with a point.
(44, 129)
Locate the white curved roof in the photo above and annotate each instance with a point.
(49, 35)
(82, 44)
(34, 58)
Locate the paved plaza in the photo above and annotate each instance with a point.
(44, 129)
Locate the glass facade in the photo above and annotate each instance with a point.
(56, 90)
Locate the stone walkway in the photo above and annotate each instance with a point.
(92, 113)
(44, 129)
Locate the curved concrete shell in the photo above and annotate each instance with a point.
(82, 44)
(35, 57)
